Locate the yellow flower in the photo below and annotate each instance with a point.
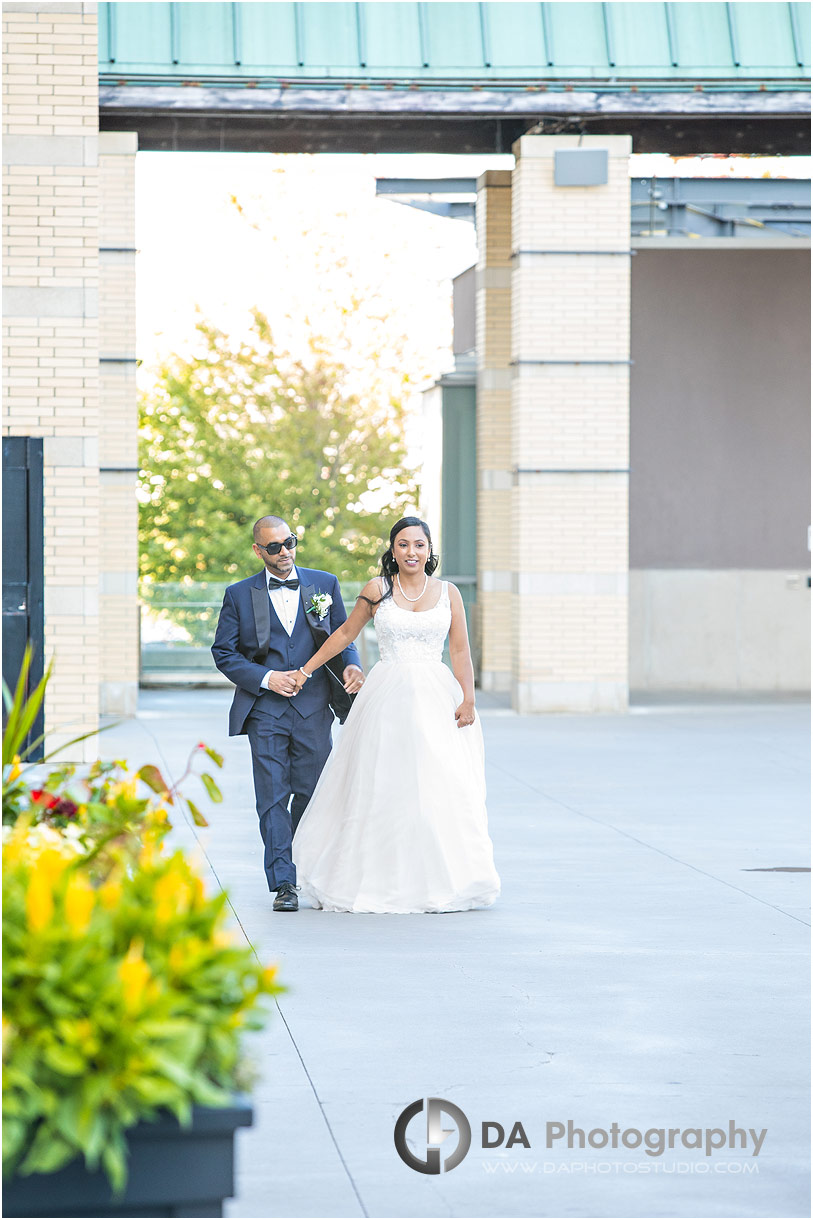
(134, 974)
(51, 862)
(14, 845)
(172, 896)
(125, 788)
(110, 894)
(177, 958)
(269, 975)
(16, 769)
(39, 901)
(79, 900)
(39, 897)
(148, 853)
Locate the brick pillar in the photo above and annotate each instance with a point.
(570, 430)
(50, 306)
(493, 323)
(118, 442)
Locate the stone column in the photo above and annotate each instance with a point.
(493, 327)
(570, 428)
(50, 305)
(118, 441)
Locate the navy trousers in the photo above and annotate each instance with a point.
(287, 755)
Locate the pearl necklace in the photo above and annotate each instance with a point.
(420, 595)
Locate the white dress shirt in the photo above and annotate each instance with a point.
(285, 603)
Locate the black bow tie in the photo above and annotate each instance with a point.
(293, 583)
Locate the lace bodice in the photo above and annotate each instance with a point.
(406, 635)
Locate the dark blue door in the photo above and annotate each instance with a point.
(23, 571)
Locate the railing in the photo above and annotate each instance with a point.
(178, 624)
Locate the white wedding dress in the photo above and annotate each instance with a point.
(397, 822)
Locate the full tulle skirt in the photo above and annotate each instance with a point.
(397, 822)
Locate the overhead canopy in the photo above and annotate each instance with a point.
(380, 70)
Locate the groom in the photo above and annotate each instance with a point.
(270, 625)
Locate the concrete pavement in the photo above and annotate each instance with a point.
(641, 967)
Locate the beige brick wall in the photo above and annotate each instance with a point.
(493, 327)
(118, 440)
(569, 435)
(50, 330)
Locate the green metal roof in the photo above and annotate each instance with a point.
(507, 43)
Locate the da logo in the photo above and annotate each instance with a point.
(436, 1135)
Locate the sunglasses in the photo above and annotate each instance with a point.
(274, 548)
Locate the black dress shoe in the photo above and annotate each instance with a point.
(286, 899)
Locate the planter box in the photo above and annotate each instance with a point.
(173, 1171)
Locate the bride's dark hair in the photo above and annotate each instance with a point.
(389, 566)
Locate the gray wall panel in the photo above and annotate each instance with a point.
(720, 409)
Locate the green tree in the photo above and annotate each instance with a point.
(242, 429)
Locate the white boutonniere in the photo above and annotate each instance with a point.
(319, 605)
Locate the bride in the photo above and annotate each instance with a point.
(397, 822)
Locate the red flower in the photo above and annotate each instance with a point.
(65, 808)
(44, 798)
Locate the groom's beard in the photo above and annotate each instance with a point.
(279, 569)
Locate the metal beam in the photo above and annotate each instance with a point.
(768, 209)
(426, 186)
(274, 118)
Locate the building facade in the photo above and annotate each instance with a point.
(637, 466)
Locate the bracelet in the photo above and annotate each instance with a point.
(305, 672)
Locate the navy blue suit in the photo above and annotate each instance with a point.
(289, 736)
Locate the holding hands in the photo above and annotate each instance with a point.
(298, 678)
(282, 682)
(352, 676)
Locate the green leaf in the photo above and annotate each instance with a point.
(216, 758)
(152, 777)
(175, 1071)
(64, 1059)
(212, 789)
(93, 1138)
(155, 1091)
(114, 1162)
(14, 1136)
(48, 1152)
(208, 1094)
(197, 816)
(181, 1107)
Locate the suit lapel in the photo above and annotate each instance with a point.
(306, 592)
(261, 605)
